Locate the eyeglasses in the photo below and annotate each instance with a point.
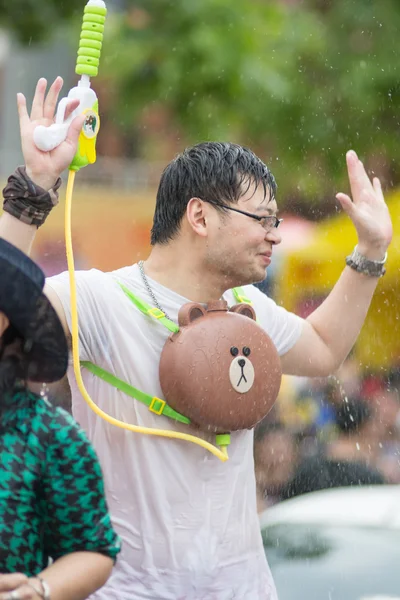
(269, 222)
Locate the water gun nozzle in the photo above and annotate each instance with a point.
(91, 39)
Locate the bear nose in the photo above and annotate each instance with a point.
(241, 362)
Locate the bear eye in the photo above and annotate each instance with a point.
(246, 351)
(234, 351)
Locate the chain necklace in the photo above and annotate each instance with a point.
(150, 291)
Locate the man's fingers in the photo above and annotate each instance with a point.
(71, 106)
(38, 100)
(345, 202)
(22, 110)
(376, 184)
(75, 129)
(358, 178)
(50, 102)
(11, 581)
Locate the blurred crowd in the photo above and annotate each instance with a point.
(337, 431)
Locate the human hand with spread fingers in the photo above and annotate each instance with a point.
(44, 168)
(330, 332)
(367, 209)
(32, 190)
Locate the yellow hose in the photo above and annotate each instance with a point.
(221, 454)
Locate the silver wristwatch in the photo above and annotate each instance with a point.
(362, 264)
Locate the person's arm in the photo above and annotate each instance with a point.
(330, 332)
(77, 530)
(72, 577)
(78, 533)
(42, 168)
(77, 518)
(17, 233)
(76, 576)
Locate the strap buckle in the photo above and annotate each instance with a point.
(156, 313)
(157, 405)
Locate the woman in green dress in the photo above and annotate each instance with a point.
(56, 537)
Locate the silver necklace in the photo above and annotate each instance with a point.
(150, 291)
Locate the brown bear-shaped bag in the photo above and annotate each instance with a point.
(221, 370)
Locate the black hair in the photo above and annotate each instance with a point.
(13, 365)
(352, 414)
(216, 172)
(265, 427)
(321, 473)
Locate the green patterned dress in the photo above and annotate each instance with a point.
(51, 488)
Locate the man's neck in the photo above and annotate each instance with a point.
(180, 272)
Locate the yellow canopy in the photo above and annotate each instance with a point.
(308, 275)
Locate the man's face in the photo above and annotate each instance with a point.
(238, 245)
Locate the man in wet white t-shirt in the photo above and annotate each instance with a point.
(188, 521)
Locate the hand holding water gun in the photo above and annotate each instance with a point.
(44, 168)
(81, 100)
(69, 142)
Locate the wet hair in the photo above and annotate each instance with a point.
(13, 366)
(216, 172)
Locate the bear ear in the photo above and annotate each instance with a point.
(244, 309)
(190, 312)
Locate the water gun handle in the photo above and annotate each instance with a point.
(86, 152)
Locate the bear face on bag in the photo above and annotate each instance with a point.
(221, 370)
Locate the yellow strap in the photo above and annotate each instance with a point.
(221, 454)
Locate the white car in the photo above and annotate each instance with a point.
(337, 544)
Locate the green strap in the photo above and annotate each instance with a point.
(146, 309)
(158, 314)
(240, 296)
(155, 405)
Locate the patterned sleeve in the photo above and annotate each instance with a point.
(77, 517)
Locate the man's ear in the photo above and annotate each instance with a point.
(196, 215)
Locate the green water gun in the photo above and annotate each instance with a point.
(91, 40)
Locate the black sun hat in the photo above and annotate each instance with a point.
(30, 312)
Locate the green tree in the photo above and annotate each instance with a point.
(301, 83)
(35, 20)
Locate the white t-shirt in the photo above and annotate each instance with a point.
(188, 522)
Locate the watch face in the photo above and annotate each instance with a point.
(91, 125)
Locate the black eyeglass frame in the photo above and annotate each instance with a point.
(263, 220)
